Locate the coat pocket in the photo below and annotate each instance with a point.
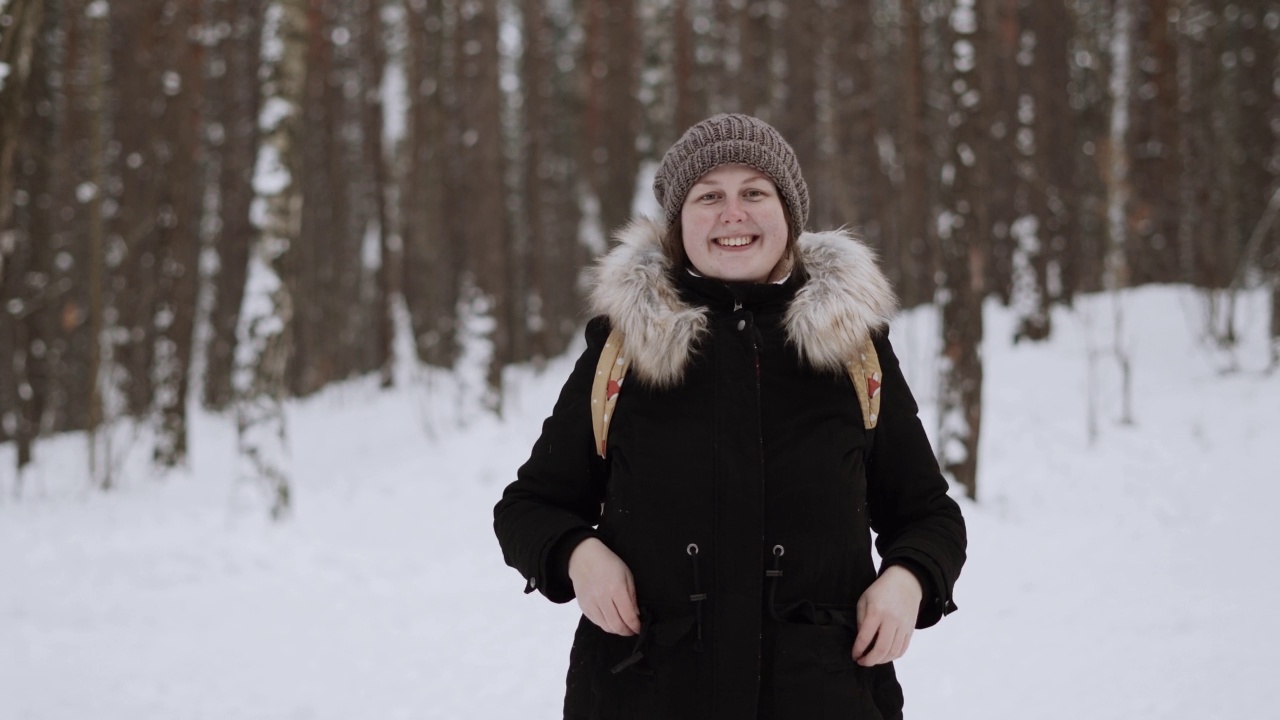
(812, 675)
(653, 675)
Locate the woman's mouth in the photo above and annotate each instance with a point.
(735, 241)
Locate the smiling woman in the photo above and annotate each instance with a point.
(733, 226)
(718, 537)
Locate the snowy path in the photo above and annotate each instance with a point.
(1130, 579)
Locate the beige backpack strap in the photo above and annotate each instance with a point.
(610, 371)
(864, 371)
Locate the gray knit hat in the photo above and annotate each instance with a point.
(722, 140)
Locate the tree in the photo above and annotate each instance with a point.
(478, 191)
(266, 322)
(799, 120)
(179, 214)
(1043, 232)
(1153, 135)
(432, 266)
(756, 45)
(961, 240)
(1116, 269)
(373, 61)
(236, 102)
(916, 242)
(612, 113)
(552, 214)
(20, 23)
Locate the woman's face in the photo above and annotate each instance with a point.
(733, 225)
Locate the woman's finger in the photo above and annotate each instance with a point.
(628, 614)
(895, 652)
(906, 642)
(880, 652)
(631, 616)
(865, 638)
(627, 619)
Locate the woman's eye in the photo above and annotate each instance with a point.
(709, 196)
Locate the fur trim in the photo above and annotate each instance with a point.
(845, 299)
(631, 286)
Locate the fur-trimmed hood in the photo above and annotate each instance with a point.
(845, 298)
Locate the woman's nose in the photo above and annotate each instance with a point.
(733, 211)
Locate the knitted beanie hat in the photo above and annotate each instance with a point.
(725, 139)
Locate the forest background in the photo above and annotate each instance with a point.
(237, 202)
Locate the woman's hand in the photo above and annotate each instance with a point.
(604, 586)
(887, 616)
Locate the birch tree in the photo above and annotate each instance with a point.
(1116, 269)
(265, 330)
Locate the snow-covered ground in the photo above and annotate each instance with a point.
(1127, 578)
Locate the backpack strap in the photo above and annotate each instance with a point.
(610, 371)
(864, 371)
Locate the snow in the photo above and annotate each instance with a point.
(1121, 579)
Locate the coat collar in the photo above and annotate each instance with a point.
(845, 297)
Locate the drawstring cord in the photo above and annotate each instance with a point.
(773, 575)
(637, 649)
(698, 596)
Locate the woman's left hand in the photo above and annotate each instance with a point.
(887, 616)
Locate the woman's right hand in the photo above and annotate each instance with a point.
(604, 586)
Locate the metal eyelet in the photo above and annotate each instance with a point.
(779, 551)
(692, 549)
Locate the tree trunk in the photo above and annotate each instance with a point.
(754, 80)
(799, 120)
(613, 112)
(100, 468)
(854, 168)
(20, 23)
(266, 322)
(29, 268)
(178, 230)
(915, 229)
(1001, 101)
(1156, 167)
(432, 265)
(550, 195)
(1040, 234)
(481, 188)
(237, 114)
(373, 62)
(965, 178)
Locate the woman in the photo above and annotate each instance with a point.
(721, 549)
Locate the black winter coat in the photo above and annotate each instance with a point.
(740, 488)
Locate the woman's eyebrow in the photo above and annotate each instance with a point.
(717, 183)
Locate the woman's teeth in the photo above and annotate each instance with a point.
(734, 241)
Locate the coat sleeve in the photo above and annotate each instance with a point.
(554, 502)
(918, 525)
